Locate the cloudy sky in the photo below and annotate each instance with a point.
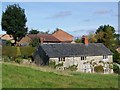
(76, 18)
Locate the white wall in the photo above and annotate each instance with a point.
(77, 61)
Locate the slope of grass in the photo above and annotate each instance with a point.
(14, 76)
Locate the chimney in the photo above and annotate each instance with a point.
(85, 40)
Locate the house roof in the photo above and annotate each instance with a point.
(67, 50)
(46, 37)
(62, 36)
(6, 37)
(118, 49)
(60, 30)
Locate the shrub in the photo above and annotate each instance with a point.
(18, 60)
(72, 68)
(15, 53)
(6, 59)
(116, 68)
(8, 43)
(35, 42)
(59, 65)
(26, 51)
(52, 64)
(99, 69)
(9, 51)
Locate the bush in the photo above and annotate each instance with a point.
(116, 68)
(18, 60)
(15, 53)
(26, 51)
(8, 43)
(6, 59)
(10, 52)
(52, 64)
(99, 69)
(72, 68)
(35, 42)
(59, 65)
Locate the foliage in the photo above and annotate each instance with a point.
(18, 60)
(32, 31)
(78, 40)
(8, 43)
(18, 51)
(14, 21)
(41, 32)
(26, 51)
(35, 42)
(59, 65)
(35, 77)
(92, 38)
(14, 53)
(99, 69)
(117, 37)
(116, 56)
(9, 51)
(116, 68)
(6, 59)
(72, 68)
(106, 35)
(52, 64)
(57, 29)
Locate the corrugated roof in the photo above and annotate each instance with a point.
(68, 49)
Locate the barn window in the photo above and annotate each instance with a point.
(83, 58)
(105, 57)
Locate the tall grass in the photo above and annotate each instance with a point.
(16, 76)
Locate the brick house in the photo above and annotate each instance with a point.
(84, 55)
(63, 36)
(44, 38)
(59, 36)
(6, 37)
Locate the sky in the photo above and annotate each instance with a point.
(76, 18)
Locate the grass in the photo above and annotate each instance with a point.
(18, 76)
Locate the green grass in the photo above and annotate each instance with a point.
(17, 76)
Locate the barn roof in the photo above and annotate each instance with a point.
(68, 49)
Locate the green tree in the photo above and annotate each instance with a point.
(47, 32)
(14, 21)
(32, 31)
(106, 35)
(35, 42)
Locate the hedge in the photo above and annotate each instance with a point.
(9, 51)
(15, 52)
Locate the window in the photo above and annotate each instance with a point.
(105, 57)
(83, 58)
(61, 59)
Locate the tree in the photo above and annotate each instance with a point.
(32, 31)
(14, 21)
(35, 42)
(41, 32)
(78, 40)
(92, 38)
(106, 35)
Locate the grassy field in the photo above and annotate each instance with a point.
(17, 76)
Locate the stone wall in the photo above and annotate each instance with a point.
(82, 64)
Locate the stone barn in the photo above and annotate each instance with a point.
(82, 55)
